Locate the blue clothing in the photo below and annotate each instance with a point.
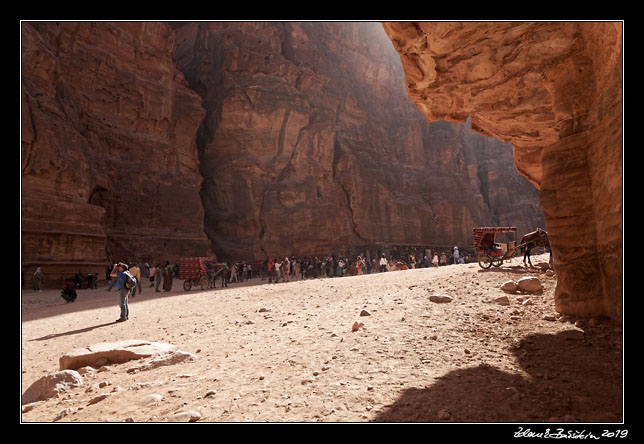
(121, 278)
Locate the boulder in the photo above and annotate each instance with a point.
(101, 354)
(509, 286)
(529, 284)
(51, 385)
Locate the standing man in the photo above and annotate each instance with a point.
(456, 254)
(118, 272)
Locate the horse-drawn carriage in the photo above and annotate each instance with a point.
(491, 252)
(198, 271)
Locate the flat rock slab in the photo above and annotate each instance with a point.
(105, 353)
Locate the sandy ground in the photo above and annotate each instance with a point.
(412, 360)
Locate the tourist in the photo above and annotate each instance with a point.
(270, 266)
(443, 259)
(233, 273)
(435, 260)
(158, 276)
(151, 275)
(167, 277)
(37, 279)
(69, 293)
(383, 263)
(118, 273)
(134, 271)
(455, 254)
(278, 265)
(286, 270)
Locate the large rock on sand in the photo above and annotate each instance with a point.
(51, 385)
(101, 354)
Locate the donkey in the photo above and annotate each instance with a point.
(534, 239)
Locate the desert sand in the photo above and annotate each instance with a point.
(287, 352)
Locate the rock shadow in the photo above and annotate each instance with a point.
(571, 377)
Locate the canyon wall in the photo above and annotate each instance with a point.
(310, 144)
(109, 163)
(553, 90)
(155, 141)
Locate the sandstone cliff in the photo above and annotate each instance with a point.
(109, 165)
(284, 138)
(554, 90)
(310, 144)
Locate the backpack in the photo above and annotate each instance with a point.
(130, 281)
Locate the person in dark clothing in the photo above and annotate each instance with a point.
(69, 292)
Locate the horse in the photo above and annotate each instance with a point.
(225, 274)
(531, 240)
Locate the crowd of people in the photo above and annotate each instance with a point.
(274, 270)
(161, 276)
(291, 268)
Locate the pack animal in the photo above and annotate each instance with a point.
(537, 238)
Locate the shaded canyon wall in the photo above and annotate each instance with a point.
(553, 90)
(310, 144)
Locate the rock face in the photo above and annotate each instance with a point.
(109, 163)
(154, 141)
(553, 90)
(310, 145)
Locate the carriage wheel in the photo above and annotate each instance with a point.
(203, 282)
(187, 285)
(485, 261)
(497, 262)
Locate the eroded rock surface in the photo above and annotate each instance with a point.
(109, 161)
(310, 145)
(554, 90)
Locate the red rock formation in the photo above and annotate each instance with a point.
(554, 90)
(109, 164)
(310, 145)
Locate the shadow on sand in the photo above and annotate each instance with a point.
(571, 377)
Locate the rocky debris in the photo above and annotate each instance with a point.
(52, 385)
(103, 353)
(528, 284)
(356, 326)
(365, 312)
(440, 298)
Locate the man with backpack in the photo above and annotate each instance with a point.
(125, 282)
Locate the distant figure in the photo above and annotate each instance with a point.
(456, 254)
(158, 277)
(167, 277)
(383, 263)
(37, 279)
(435, 260)
(69, 293)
